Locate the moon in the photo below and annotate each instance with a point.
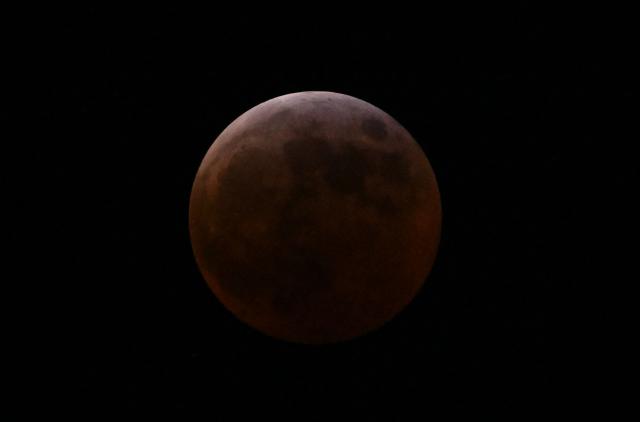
(315, 217)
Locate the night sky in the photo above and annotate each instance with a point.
(499, 103)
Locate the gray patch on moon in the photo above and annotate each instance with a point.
(346, 168)
(375, 128)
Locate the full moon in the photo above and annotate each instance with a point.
(315, 217)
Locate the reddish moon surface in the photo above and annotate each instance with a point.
(315, 217)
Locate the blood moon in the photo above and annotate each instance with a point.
(315, 217)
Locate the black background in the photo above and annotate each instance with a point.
(501, 100)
